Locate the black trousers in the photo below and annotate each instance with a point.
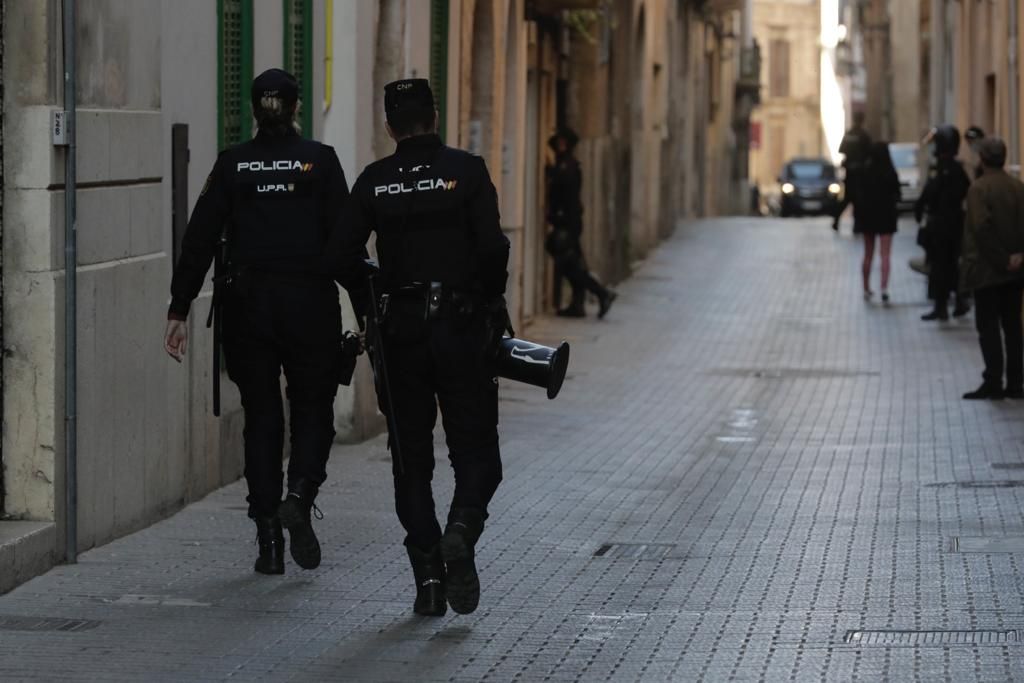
(997, 316)
(273, 323)
(442, 364)
(944, 257)
(572, 265)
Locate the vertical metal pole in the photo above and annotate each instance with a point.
(1014, 89)
(70, 296)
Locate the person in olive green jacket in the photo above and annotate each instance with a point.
(993, 266)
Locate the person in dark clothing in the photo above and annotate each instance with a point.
(875, 213)
(565, 213)
(855, 148)
(273, 201)
(993, 267)
(942, 200)
(443, 269)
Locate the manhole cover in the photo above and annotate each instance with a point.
(634, 551)
(978, 544)
(45, 624)
(931, 638)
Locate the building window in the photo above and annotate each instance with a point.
(298, 55)
(779, 60)
(234, 71)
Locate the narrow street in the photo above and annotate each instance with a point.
(751, 474)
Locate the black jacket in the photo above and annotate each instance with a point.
(277, 198)
(565, 183)
(942, 198)
(434, 210)
(855, 147)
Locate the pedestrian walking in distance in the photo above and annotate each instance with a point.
(565, 213)
(270, 203)
(443, 269)
(855, 148)
(993, 267)
(942, 201)
(875, 213)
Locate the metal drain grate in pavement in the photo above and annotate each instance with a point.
(46, 624)
(793, 373)
(931, 638)
(634, 551)
(981, 544)
(1005, 484)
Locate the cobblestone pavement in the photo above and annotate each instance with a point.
(751, 475)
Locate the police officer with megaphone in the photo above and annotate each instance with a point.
(437, 301)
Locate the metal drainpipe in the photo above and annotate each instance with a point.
(1014, 88)
(70, 295)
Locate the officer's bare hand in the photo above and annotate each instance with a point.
(176, 339)
(1016, 261)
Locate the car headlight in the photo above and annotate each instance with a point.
(787, 188)
(834, 188)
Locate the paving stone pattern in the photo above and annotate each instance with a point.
(750, 475)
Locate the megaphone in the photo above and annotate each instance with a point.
(530, 363)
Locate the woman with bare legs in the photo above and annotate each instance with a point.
(875, 214)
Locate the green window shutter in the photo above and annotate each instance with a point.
(298, 55)
(234, 71)
(439, 60)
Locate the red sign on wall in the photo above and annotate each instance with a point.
(755, 135)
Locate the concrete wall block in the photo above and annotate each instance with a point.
(98, 421)
(126, 340)
(146, 226)
(93, 154)
(32, 163)
(103, 225)
(135, 149)
(30, 220)
(26, 550)
(29, 358)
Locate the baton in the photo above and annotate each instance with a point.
(381, 371)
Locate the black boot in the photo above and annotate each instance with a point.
(428, 569)
(939, 313)
(271, 542)
(294, 514)
(607, 297)
(460, 535)
(986, 392)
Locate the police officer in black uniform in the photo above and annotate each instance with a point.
(855, 148)
(270, 204)
(942, 200)
(443, 266)
(565, 213)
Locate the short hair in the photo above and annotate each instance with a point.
(992, 152)
(412, 120)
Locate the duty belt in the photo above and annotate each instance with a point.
(435, 295)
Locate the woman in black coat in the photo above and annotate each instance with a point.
(875, 213)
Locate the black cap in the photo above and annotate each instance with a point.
(407, 93)
(275, 83)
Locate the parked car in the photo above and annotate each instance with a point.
(809, 187)
(906, 160)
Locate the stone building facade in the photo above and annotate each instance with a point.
(162, 86)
